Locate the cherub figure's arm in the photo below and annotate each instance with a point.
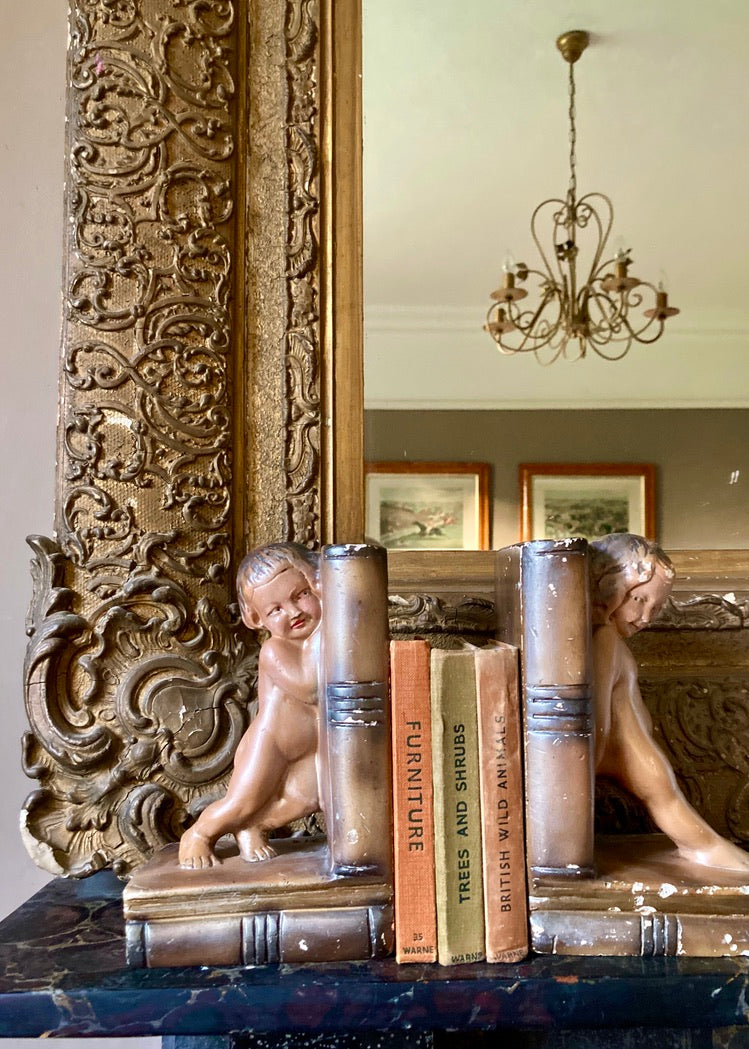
(605, 674)
(291, 668)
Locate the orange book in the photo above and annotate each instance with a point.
(413, 803)
(502, 817)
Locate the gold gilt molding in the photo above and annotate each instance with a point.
(189, 409)
(302, 336)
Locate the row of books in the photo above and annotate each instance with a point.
(460, 882)
(493, 763)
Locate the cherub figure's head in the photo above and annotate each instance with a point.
(632, 578)
(278, 590)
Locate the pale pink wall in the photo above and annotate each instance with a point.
(32, 122)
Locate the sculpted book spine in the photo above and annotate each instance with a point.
(321, 935)
(626, 934)
(457, 815)
(502, 819)
(355, 773)
(543, 607)
(413, 803)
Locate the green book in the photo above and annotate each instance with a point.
(457, 814)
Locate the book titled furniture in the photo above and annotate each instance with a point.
(413, 803)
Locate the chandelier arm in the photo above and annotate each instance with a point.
(603, 234)
(555, 357)
(613, 313)
(537, 242)
(636, 334)
(542, 336)
(550, 291)
(527, 329)
(612, 356)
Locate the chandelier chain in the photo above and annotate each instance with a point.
(573, 136)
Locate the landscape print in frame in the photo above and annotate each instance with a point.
(428, 505)
(558, 500)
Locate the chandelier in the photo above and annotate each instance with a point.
(561, 317)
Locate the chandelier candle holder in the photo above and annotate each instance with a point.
(561, 317)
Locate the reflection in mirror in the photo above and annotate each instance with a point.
(464, 134)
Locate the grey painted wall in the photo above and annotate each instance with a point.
(700, 503)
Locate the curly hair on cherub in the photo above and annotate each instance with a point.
(619, 562)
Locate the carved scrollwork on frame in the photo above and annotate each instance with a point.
(302, 361)
(139, 677)
(704, 612)
(146, 431)
(134, 710)
(443, 623)
(703, 725)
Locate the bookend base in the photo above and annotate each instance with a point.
(645, 900)
(291, 908)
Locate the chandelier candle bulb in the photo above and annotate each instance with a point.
(621, 252)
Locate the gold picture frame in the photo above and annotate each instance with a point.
(201, 399)
(586, 499)
(428, 505)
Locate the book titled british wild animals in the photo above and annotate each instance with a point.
(413, 806)
(457, 816)
(502, 817)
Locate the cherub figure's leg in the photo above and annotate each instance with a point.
(299, 797)
(639, 763)
(259, 766)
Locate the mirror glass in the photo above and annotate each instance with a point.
(465, 133)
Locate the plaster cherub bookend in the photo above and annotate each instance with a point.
(275, 776)
(319, 741)
(572, 607)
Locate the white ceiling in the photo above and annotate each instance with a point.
(465, 131)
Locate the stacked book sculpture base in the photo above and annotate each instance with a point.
(645, 900)
(286, 909)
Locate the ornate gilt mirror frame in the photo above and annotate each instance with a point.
(211, 352)
(211, 399)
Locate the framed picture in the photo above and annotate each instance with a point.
(428, 506)
(586, 499)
